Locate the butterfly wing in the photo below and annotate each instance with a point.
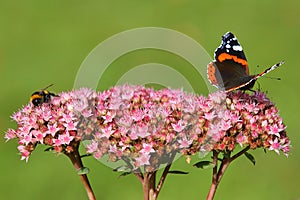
(246, 85)
(227, 75)
(230, 68)
(230, 49)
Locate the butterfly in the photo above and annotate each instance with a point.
(229, 71)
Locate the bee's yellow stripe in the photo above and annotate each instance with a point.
(35, 96)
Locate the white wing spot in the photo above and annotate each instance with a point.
(237, 48)
(228, 46)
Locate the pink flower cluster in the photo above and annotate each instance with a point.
(146, 128)
(252, 120)
(54, 124)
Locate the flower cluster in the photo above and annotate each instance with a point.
(252, 120)
(146, 128)
(54, 124)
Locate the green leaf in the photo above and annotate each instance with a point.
(49, 149)
(202, 154)
(83, 170)
(121, 168)
(250, 157)
(265, 150)
(124, 174)
(85, 155)
(177, 172)
(204, 165)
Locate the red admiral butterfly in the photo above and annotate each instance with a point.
(229, 71)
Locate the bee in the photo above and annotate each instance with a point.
(42, 96)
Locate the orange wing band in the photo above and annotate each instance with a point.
(226, 56)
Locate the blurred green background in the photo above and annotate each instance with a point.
(43, 42)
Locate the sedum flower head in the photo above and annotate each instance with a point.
(252, 120)
(146, 128)
(53, 124)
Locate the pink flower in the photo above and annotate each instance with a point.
(133, 135)
(142, 160)
(11, 134)
(275, 145)
(70, 126)
(147, 149)
(124, 119)
(68, 117)
(164, 111)
(127, 92)
(142, 130)
(137, 115)
(209, 115)
(92, 147)
(241, 139)
(39, 136)
(52, 129)
(97, 154)
(46, 114)
(109, 116)
(275, 130)
(25, 153)
(57, 142)
(108, 131)
(179, 126)
(113, 148)
(86, 113)
(184, 142)
(285, 147)
(65, 138)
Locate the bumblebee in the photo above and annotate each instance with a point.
(42, 96)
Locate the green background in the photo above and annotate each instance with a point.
(44, 42)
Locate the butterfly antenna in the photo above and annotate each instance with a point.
(274, 78)
(281, 62)
(270, 69)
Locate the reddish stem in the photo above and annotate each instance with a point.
(164, 175)
(149, 185)
(218, 174)
(224, 165)
(212, 191)
(77, 162)
(138, 173)
(214, 183)
(151, 191)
